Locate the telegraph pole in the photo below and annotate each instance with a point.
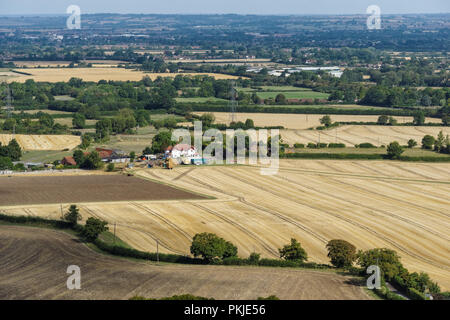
(157, 251)
(114, 233)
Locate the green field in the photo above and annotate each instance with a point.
(200, 100)
(293, 94)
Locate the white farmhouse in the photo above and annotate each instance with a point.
(181, 150)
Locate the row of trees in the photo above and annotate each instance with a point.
(342, 254)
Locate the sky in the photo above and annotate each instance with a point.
(279, 7)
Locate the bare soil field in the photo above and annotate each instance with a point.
(96, 74)
(351, 135)
(25, 190)
(34, 263)
(42, 142)
(397, 205)
(300, 121)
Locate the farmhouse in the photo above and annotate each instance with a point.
(181, 150)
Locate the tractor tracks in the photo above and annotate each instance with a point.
(240, 227)
(352, 222)
(127, 226)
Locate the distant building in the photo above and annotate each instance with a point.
(181, 150)
(68, 161)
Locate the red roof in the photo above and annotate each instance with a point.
(104, 153)
(69, 161)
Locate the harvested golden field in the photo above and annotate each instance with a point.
(351, 135)
(42, 142)
(96, 74)
(397, 205)
(27, 275)
(36, 64)
(299, 121)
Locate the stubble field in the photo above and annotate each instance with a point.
(97, 74)
(42, 142)
(47, 254)
(402, 206)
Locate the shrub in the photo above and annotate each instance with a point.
(293, 252)
(312, 145)
(93, 228)
(110, 167)
(299, 145)
(412, 143)
(428, 142)
(365, 145)
(414, 294)
(394, 150)
(336, 145)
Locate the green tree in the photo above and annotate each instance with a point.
(394, 150)
(383, 120)
(78, 121)
(419, 118)
(209, 246)
(73, 215)
(428, 142)
(162, 141)
(293, 252)
(85, 141)
(280, 99)
(14, 150)
(387, 259)
(79, 157)
(132, 156)
(412, 143)
(341, 253)
(207, 119)
(92, 161)
(326, 121)
(5, 163)
(439, 142)
(110, 167)
(93, 228)
(249, 124)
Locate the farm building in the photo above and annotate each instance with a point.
(113, 155)
(68, 161)
(180, 151)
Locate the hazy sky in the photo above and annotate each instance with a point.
(224, 6)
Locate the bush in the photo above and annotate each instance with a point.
(428, 142)
(293, 252)
(299, 145)
(93, 228)
(365, 145)
(394, 150)
(412, 143)
(336, 145)
(312, 145)
(414, 294)
(110, 167)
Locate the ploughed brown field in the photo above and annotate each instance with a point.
(34, 263)
(73, 189)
